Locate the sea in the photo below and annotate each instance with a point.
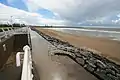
(113, 34)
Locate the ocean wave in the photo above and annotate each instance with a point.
(113, 35)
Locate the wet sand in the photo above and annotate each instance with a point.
(107, 48)
(55, 67)
(106, 29)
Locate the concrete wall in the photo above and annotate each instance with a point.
(20, 41)
(6, 48)
(12, 44)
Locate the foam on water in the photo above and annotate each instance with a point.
(114, 35)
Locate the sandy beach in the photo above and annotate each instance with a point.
(107, 48)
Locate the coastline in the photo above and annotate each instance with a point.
(105, 47)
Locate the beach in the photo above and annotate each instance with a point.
(102, 46)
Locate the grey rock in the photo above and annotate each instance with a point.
(100, 64)
(91, 63)
(118, 75)
(80, 61)
(90, 68)
(112, 77)
(109, 71)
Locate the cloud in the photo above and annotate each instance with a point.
(71, 12)
(78, 10)
(20, 16)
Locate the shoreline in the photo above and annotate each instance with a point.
(107, 48)
(113, 35)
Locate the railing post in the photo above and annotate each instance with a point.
(18, 59)
(5, 34)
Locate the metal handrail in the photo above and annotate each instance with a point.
(5, 34)
(27, 64)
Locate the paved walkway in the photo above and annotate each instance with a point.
(51, 70)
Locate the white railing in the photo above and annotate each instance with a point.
(5, 34)
(27, 63)
(2, 34)
(18, 60)
(21, 30)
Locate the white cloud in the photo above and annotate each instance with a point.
(25, 17)
(70, 12)
(78, 10)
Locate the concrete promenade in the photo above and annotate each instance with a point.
(48, 69)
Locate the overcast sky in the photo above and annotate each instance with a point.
(61, 12)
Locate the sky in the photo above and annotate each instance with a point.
(61, 12)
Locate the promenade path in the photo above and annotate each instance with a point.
(48, 69)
